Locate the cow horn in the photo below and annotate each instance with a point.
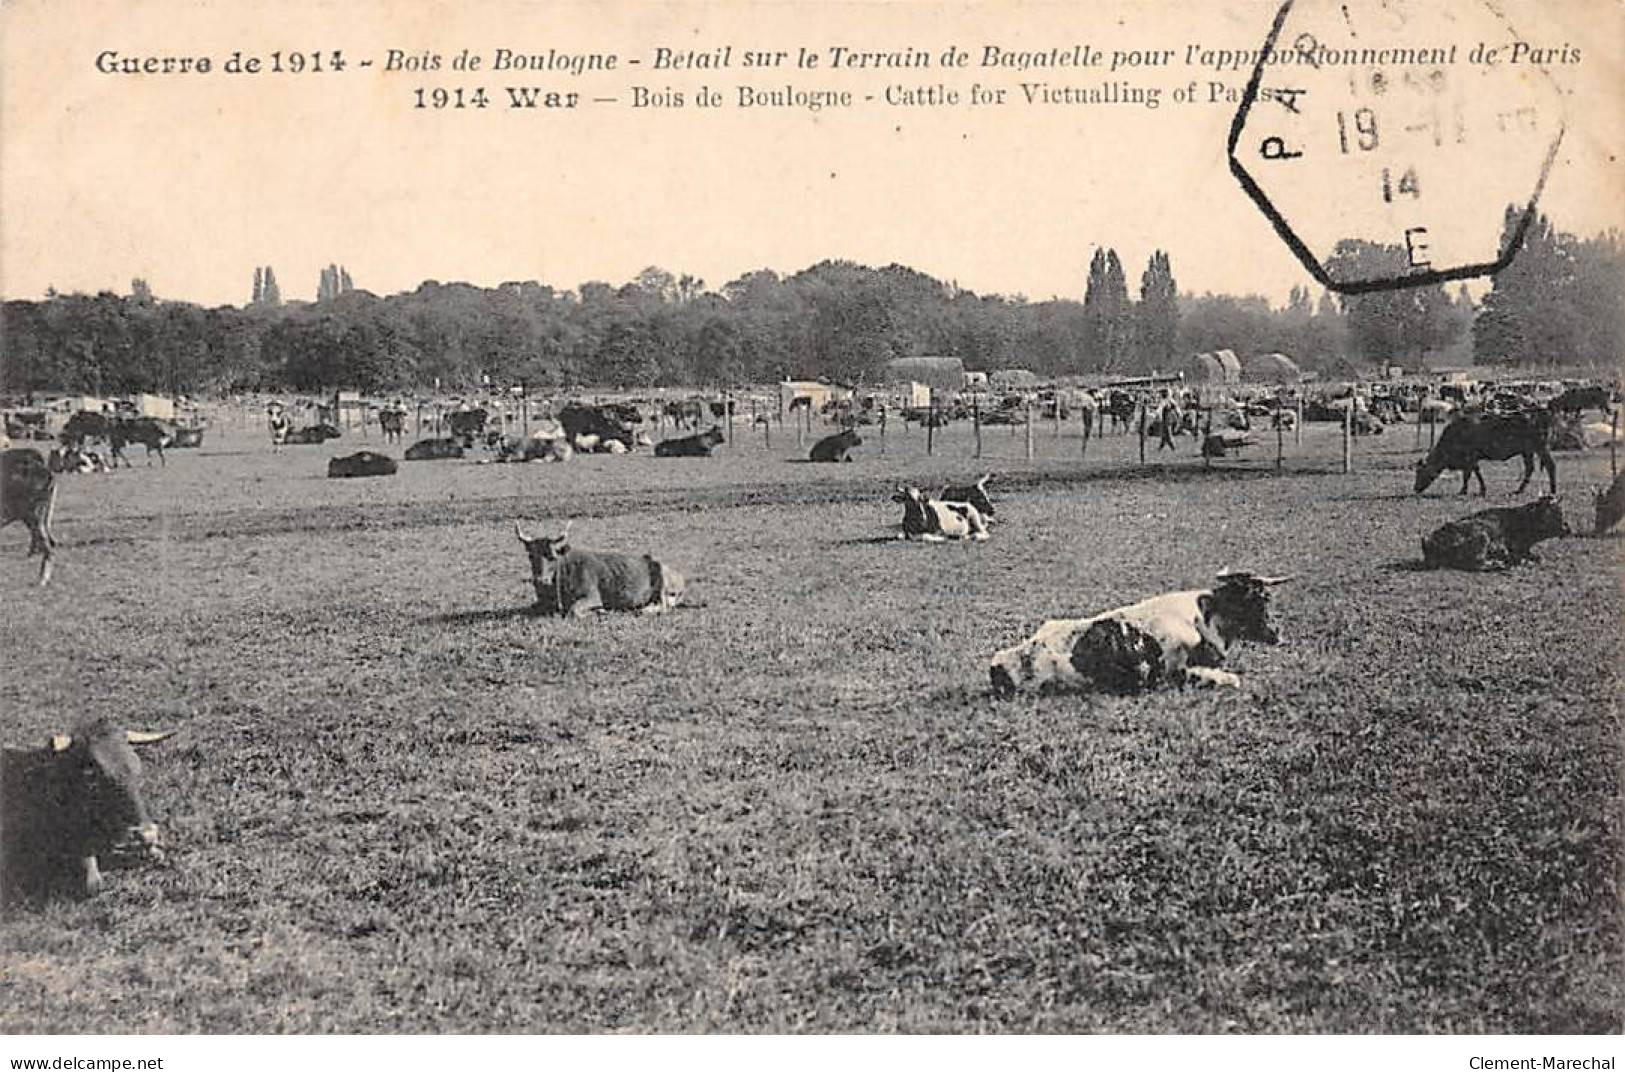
(519, 531)
(147, 736)
(61, 742)
(1282, 579)
(566, 531)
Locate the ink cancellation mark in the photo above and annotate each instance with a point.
(1406, 126)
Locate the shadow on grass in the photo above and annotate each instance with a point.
(477, 617)
(862, 541)
(1408, 565)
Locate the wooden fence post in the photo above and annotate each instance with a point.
(1057, 415)
(882, 420)
(1142, 433)
(1348, 437)
(1297, 428)
(1086, 422)
(1433, 426)
(1613, 442)
(728, 414)
(976, 423)
(930, 420)
(1029, 427)
(1280, 440)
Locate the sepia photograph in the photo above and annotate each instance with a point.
(772, 518)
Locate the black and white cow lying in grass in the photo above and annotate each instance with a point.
(571, 582)
(1176, 638)
(66, 804)
(934, 521)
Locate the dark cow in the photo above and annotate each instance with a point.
(392, 423)
(1471, 439)
(30, 497)
(685, 414)
(1494, 539)
(148, 431)
(935, 521)
(973, 494)
(313, 435)
(362, 463)
(599, 424)
(570, 582)
(69, 803)
(836, 448)
(1120, 407)
(466, 425)
(1609, 505)
(1176, 638)
(1580, 399)
(429, 450)
(694, 446)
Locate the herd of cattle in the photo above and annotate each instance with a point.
(78, 801)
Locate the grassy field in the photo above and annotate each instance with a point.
(399, 801)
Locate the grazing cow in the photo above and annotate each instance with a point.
(1494, 539)
(65, 805)
(362, 463)
(604, 422)
(1176, 638)
(935, 521)
(1609, 505)
(465, 425)
(836, 448)
(694, 446)
(974, 494)
(570, 582)
(29, 496)
(1471, 439)
(1580, 399)
(428, 450)
(314, 435)
(392, 423)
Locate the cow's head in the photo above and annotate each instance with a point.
(907, 493)
(978, 496)
(106, 808)
(1544, 517)
(1238, 607)
(715, 436)
(1427, 471)
(1028, 665)
(544, 553)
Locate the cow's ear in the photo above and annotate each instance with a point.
(61, 742)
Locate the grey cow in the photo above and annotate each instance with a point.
(64, 805)
(572, 582)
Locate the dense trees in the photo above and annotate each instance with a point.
(1561, 301)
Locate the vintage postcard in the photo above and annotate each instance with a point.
(812, 518)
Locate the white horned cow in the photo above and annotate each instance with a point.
(935, 521)
(572, 582)
(1176, 638)
(64, 805)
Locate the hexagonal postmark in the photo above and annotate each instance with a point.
(1407, 125)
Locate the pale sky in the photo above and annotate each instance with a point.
(190, 180)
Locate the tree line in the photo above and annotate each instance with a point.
(1558, 305)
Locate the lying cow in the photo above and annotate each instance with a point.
(429, 450)
(1472, 439)
(28, 494)
(974, 494)
(836, 448)
(571, 582)
(65, 805)
(935, 521)
(1609, 505)
(1176, 638)
(362, 463)
(314, 435)
(1494, 539)
(694, 446)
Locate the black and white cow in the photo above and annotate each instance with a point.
(1176, 638)
(28, 494)
(68, 804)
(571, 582)
(935, 521)
(694, 446)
